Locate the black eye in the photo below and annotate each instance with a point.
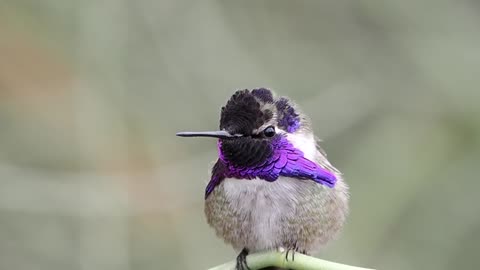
(269, 131)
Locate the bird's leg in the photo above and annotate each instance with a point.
(242, 260)
(292, 249)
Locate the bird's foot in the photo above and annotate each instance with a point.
(242, 260)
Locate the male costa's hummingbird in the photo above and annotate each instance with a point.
(272, 187)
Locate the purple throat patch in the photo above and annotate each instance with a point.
(286, 161)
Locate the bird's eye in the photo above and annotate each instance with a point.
(269, 131)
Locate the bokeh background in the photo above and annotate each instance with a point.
(92, 93)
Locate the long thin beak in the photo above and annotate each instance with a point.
(215, 134)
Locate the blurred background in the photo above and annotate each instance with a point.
(92, 93)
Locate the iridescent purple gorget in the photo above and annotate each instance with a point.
(286, 160)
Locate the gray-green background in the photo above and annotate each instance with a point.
(92, 93)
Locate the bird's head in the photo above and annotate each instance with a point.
(254, 124)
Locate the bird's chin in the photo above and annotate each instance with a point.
(245, 151)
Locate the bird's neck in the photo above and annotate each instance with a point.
(305, 142)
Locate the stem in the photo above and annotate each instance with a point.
(302, 262)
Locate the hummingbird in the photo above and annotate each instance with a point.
(272, 187)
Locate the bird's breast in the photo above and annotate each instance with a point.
(261, 215)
